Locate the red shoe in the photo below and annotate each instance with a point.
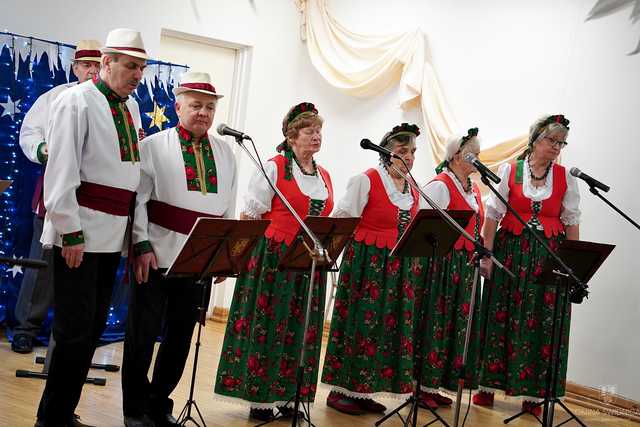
(370, 405)
(530, 407)
(439, 399)
(342, 403)
(426, 402)
(483, 398)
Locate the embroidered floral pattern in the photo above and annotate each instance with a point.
(123, 121)
(517, 318)
(199, 163)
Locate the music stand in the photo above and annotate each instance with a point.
(24, 373)
(334, 234)
(215, 247)
(584, 258)
(427, 234)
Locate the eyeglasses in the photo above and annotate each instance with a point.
(556, 143)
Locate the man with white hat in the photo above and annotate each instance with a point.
(92, 173)
(36, 292)
(186, 174)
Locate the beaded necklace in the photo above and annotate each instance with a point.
(538, 178)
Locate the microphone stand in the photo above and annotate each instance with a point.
(595, 191)
(577, 293)
(318, 253)
(480, 252)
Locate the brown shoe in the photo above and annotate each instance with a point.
(344, 404)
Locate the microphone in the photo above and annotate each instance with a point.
(224, 130)
(586, 178)
(480, 167)
(368, 145)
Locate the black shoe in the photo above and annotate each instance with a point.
(75, 422)
(143, 421)
(287, 412)
(261, 414)
(22, 343)
(164, 420)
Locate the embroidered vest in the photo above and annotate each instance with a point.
(549, 214)
(458, 202)
(283, 225)
(379, 221)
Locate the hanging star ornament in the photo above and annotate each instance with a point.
(603, 8)
(16, 269)
(10, 108)
(157, 116)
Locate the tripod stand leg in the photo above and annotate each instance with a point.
(568, 411)
(394, 412)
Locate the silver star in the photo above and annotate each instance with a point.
(10, 107)
(15, 269)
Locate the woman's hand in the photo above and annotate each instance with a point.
(486, 268)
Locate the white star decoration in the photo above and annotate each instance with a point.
(16, 269)
(607, 7)
(10, 107)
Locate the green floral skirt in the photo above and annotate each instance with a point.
(370, 347)
(443, 321)
(517, 319)
(264, 332)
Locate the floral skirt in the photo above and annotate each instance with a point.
(445, 308)
(517, 319)
(370, 347)
(264, 333)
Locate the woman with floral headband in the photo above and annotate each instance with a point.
(266, 320)
(517, 314)
(370, 349)
(447, 292)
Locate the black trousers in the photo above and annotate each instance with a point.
(175, 301)
(81, 297)
(36, 292)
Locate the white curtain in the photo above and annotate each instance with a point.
(366, 65)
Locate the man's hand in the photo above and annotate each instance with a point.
(143, 262)
(73, 255)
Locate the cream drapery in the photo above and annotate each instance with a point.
(367, 65)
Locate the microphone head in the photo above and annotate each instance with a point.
(221, 128)
(365, 143)
(575, 172)
(469, 157)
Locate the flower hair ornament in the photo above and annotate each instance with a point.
(471, 133)
(300, 111)
(556, 118)
(401, 129)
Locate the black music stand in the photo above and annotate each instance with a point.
(584, 258)
(215, 247)
(426, 235)
(24, 373)
(334, 234)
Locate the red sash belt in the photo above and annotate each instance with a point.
(103, 198)
(37, 202)
(172, 217)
